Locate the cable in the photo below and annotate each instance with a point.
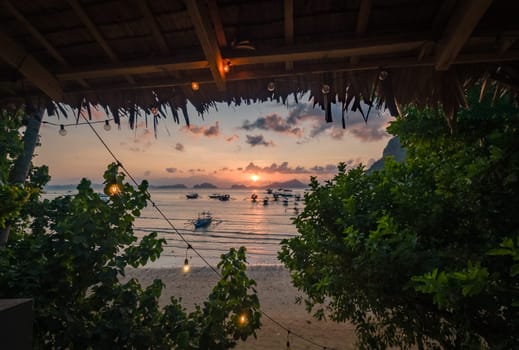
(189, 245)
(74, 124)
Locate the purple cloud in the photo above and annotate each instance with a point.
(258, 140)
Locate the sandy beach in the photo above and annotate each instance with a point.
(276, 296)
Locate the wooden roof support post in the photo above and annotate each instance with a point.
(362, 23)
(14, 54)
(207, 38)
(217, 22)
(38, 36)
(289, 29)
(458, 30)
(83, 16)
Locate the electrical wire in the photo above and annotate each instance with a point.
(189, 245)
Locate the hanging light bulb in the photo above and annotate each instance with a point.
(227, 66)
(242, 319)
(186, 265)
(271, 86)
(107, 126)
(382, 75)
(114, 190)
(62, 130)
(195, 86)
(325, 89)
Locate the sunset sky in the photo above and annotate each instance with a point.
(265, 142)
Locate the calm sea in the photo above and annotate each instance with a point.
(237, 222)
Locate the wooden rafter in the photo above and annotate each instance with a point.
(301, 52)
(136, 68)
(207, 38)
(83, 16)
(38, 36)
(362, 23)
(152, 23)
(289, 29)
(15, 55)
(217, 22)
(458, 30)
(319, 52)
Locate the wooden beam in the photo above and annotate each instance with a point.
(83, 16)
(319, 52)
(37, 35)
(207, 38)
(289, 29)
(217, 22)
(152, 23)
(362, 23)
(458, 30)
(136, 68)
(341, 49)
(15, 55)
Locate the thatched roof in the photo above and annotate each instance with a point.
(146, 53)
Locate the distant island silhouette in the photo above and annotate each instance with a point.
(205, 185)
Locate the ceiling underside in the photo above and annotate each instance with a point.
(147, 53)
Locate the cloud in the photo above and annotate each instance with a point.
(258, 140)
(172, 170)
(211, 131)
(179, 147)
(273, 122)
(196, 170)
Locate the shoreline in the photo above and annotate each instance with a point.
(277, 300)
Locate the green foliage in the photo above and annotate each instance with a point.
(70, 253)
(422, 252)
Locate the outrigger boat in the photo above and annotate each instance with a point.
(192, 195)
(204, 219)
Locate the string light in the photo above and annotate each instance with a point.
(243, 319)
(114, 190)
(107, 126)
(62, 130)
(227, 66)
(195, 86)
(186, 261)
(186, 267)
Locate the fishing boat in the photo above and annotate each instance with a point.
(214, 196)
(192, 195)
(224, 197)
(204, 219)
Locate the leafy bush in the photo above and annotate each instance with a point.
(422, 252)
(70, 253)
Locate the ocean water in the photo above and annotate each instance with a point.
(237, 222)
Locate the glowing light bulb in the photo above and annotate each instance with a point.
(186, 265)
(227, 67)
(195, 86)
(113, 189)
(62, 130)
(271, 86)
(243, 319)
(107, 126)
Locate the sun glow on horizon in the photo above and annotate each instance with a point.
(255, 178)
